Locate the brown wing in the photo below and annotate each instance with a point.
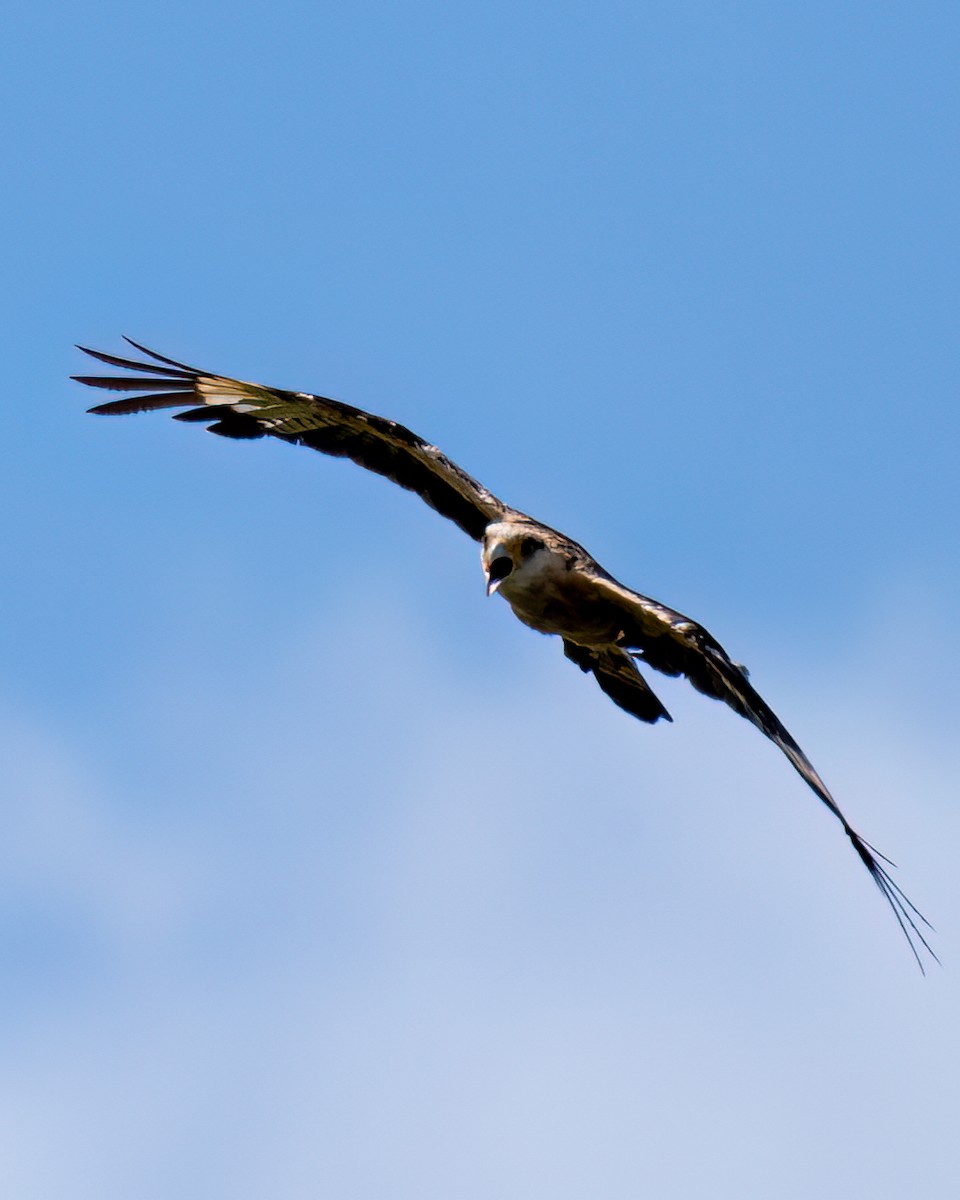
(672, 643)
(248, 410)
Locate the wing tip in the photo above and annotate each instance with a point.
(907, 915)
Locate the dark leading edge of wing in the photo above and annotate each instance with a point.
(247, 410)
(674, 645)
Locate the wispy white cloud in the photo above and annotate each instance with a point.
(504, 940)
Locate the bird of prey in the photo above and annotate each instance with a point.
(552, 584)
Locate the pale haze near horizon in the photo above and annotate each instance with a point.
(323, 876)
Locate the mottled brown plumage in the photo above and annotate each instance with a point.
(551, 583)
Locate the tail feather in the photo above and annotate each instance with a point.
(617, 675)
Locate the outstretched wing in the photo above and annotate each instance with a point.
(672, 643)
(248, 410)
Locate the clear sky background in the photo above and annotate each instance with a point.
(319, 875)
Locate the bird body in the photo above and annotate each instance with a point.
(545, 584)
(551, 583)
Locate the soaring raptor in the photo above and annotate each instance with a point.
(551, 583)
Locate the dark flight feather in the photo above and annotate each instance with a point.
(675, 645)
(247, 410)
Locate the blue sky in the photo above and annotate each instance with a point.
(321, 876)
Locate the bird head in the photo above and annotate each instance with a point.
(506, 547)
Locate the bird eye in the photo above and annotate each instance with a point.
(530, 546)
(500, 568)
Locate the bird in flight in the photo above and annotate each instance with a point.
(552, 584)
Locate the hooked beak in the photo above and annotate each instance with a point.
(501, 564)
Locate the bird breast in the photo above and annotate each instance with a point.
(548, 593)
